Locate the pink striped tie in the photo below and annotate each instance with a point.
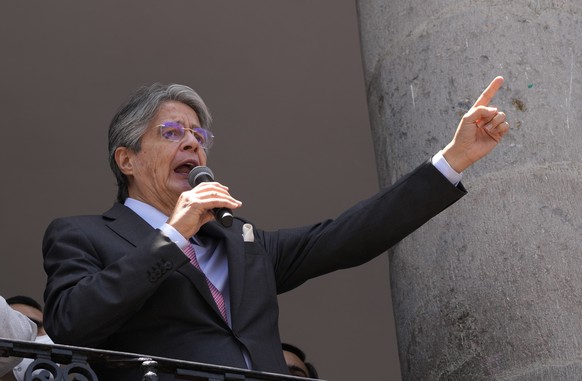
(216, 294)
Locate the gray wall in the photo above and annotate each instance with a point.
(491, 288)
(284, 82)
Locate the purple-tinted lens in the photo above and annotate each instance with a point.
(172, 131)
(204, 137)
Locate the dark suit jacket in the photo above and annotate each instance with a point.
(116, 283)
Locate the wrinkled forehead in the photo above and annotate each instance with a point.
(175, 111)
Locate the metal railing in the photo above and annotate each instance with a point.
(69, 363)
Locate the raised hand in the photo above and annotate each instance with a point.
(479, 131)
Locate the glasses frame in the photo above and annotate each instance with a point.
(199, 133)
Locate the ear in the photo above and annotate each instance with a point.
(123, 158)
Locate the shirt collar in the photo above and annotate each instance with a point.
(150, 214)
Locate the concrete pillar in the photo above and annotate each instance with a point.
(491, 289)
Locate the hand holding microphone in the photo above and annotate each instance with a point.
(202, 174)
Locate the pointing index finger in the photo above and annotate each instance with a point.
(489, 92)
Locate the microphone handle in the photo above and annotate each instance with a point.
(224, 216)
(202, 174)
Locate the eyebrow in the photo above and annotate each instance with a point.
(295, 369)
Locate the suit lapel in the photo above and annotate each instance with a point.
(131, 227)
(198, 279)
(127, 224)
(233, 245)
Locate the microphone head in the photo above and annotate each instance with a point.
(199, 175)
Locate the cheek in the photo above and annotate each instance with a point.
(149, 165)
(155, 160)
(202, 157)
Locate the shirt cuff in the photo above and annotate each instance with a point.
(170, 232)
(443, 167)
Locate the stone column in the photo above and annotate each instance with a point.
(491, 289)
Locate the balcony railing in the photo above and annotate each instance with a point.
(69, 363)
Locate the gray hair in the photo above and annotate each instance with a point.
(131, 121)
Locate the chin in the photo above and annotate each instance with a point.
(183, 189)
(179, 187)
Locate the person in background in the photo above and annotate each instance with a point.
(295, 360)
(15, 326)
(158, 274)
(33, 310)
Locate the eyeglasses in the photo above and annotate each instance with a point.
(175, 132)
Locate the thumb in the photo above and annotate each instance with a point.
(480, 115)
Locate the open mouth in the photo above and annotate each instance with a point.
(185, 168)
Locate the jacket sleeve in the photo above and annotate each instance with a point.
(96, 281)
(362, 232)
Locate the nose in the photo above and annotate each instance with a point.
(189, 142)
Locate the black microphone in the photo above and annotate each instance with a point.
(201, 174)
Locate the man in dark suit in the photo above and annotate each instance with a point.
(156, 274)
